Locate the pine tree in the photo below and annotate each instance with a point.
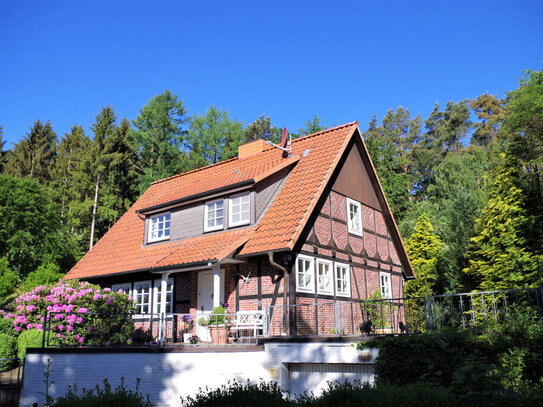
(262, 128)
(103, 128)
(159, 138)
(214, 137)
(34, 156)
(489, 110)
(425, 251)
(498, 256)
(313, 125)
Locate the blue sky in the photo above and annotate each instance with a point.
(345, 61)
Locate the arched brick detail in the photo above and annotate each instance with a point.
(370, 245)
(340, 234)
(339, 206)
(380, 224)
(357, 244)
(322, 230)
(382, 247)
(368, 219)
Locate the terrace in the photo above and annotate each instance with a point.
(322, 320)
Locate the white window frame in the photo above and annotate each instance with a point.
(206, 216)
(126, 287)
(135, 296)
(347, 279)
(310, 272)
(157, 285)
(231, 213)
(150, 237)
(385, 286)
(349, 222)
(330, 277)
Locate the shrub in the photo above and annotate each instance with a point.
(239, 394)
(28, 339)
(6, 325)
(348, 394)
(8, 350)
(104, 397)
(79, 313)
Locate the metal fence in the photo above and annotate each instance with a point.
(309, 317)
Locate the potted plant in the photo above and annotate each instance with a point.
(219, 328)
(188, 325)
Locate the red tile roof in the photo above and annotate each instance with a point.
(314, 158)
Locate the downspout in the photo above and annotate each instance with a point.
(284, 274)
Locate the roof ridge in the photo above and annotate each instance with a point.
(193, 171)
(237, 158)
(325, 131)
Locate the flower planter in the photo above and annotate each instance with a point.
(219, 333)
(186, 337)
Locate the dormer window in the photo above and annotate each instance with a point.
(159, 228)
(240, 209)
(214, 216)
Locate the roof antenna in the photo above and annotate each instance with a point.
(287, 152)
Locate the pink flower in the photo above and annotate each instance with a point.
(69, 328)
(82, 311)
(59, 336)
(60, 327)
(96, 296)
(17, 328)
(79, 320)
(29, 326)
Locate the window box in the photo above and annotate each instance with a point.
(159, 228)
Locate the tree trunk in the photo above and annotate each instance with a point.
(94, 212)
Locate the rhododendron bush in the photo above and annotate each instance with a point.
(74, 313)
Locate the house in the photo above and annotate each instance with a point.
(289, 230)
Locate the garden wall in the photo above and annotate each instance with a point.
(168, 373)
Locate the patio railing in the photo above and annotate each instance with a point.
(310, 317)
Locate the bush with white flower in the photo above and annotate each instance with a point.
(74, 313)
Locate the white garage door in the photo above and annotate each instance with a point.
(313, 377)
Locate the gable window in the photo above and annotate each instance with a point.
(384, 282)
(343, 280)
(354, 217)
(324, 277)
(214, 216)
(142, 297)
(157, 297)
(240, 209)
(305, 274)
(159, 227)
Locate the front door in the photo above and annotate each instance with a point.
(205, 301)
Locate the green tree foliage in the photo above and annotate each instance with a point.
(2, 152)
(313, 125)
(159, 138)
(120, 181)
(489, 110)
(34, 156)
(425, 250)
(498, 256)
(214, 137)
(8, 280)
(262, 128)
(391, 147)
(30, 228)
(45, 274)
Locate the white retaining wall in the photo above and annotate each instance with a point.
(169, 375)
